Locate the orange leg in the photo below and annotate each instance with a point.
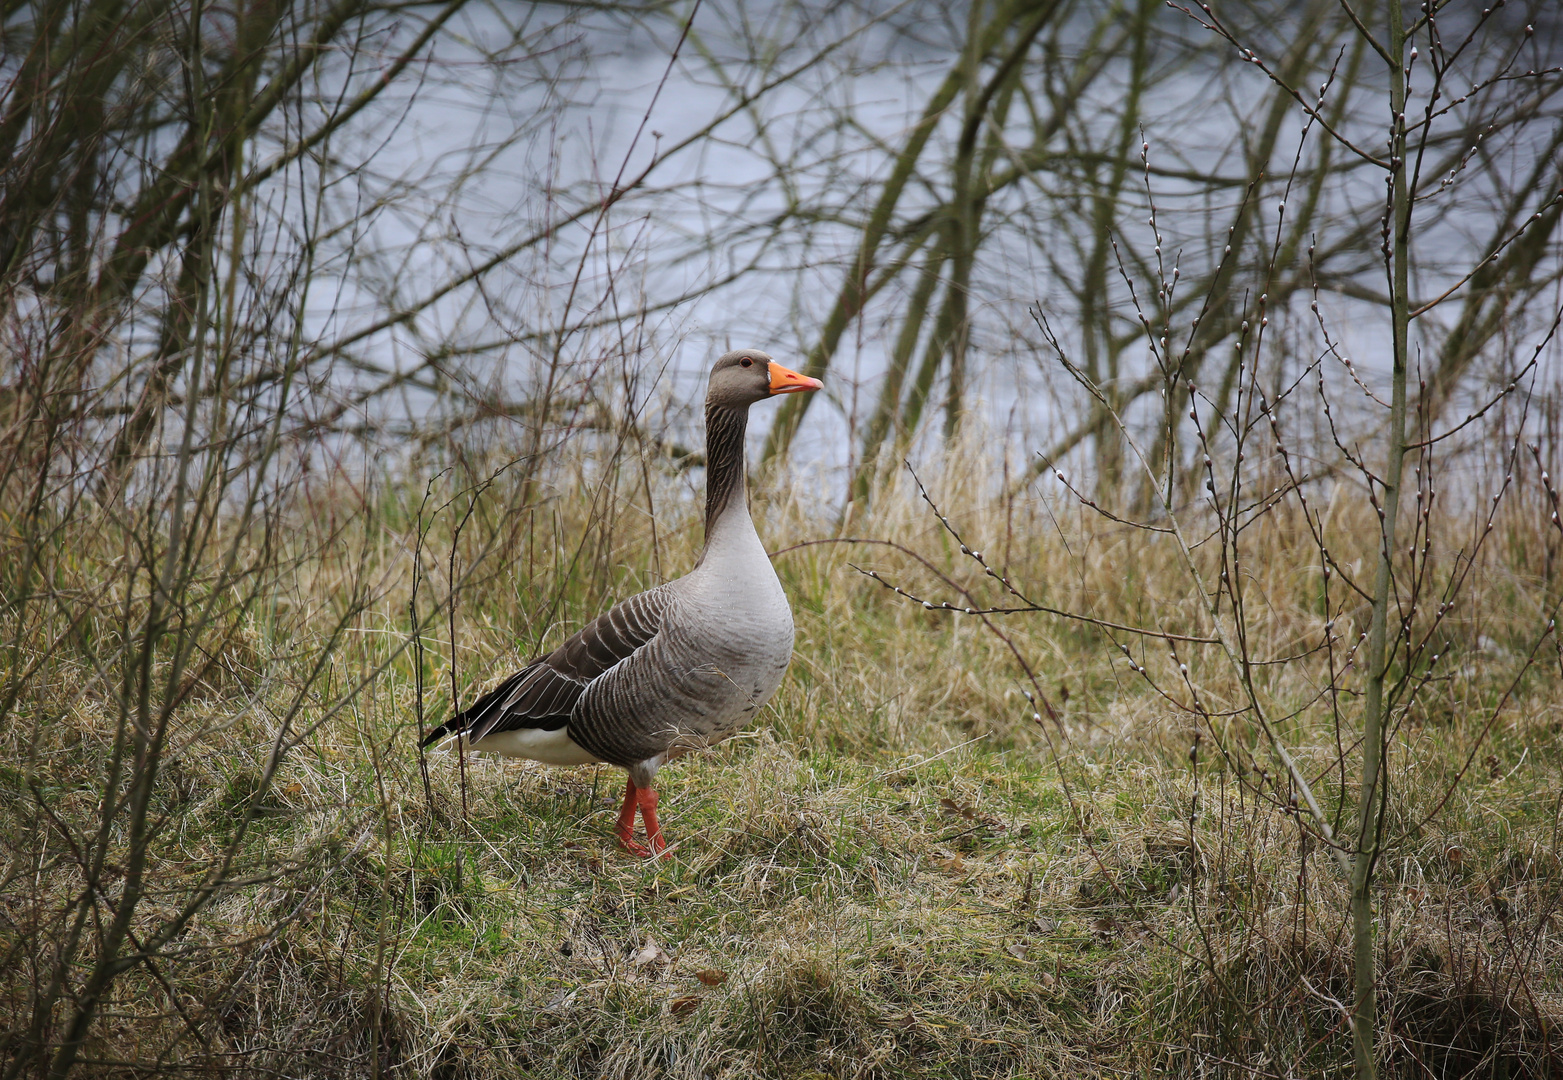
(626, 823)
(648, 816)
(644, 800)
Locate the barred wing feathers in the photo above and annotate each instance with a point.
(544, 693)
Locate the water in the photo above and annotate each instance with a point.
(741, 232)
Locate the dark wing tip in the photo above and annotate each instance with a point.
(435, 736)
(495, 711)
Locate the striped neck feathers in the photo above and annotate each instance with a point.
(724, 464)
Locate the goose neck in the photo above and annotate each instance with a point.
(725, 496)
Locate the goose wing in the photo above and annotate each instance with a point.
(543, 694)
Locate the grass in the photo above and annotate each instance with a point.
(897, 873)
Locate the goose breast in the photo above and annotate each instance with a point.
(723, 649)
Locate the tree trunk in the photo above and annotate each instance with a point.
(1371, 793)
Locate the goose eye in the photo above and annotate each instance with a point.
(747, 362)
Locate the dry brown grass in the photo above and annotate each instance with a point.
(898, 873)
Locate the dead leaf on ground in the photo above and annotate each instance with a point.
(711, 977)
(650, 953)
(956, 809)
(969, 812)
(684, 1005)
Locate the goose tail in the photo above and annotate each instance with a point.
(448, 728)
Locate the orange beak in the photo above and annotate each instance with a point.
(787, 381)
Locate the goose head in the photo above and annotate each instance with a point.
(744, 376)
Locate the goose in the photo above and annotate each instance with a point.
(678, 667)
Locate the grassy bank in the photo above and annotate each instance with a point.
(898, 872)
